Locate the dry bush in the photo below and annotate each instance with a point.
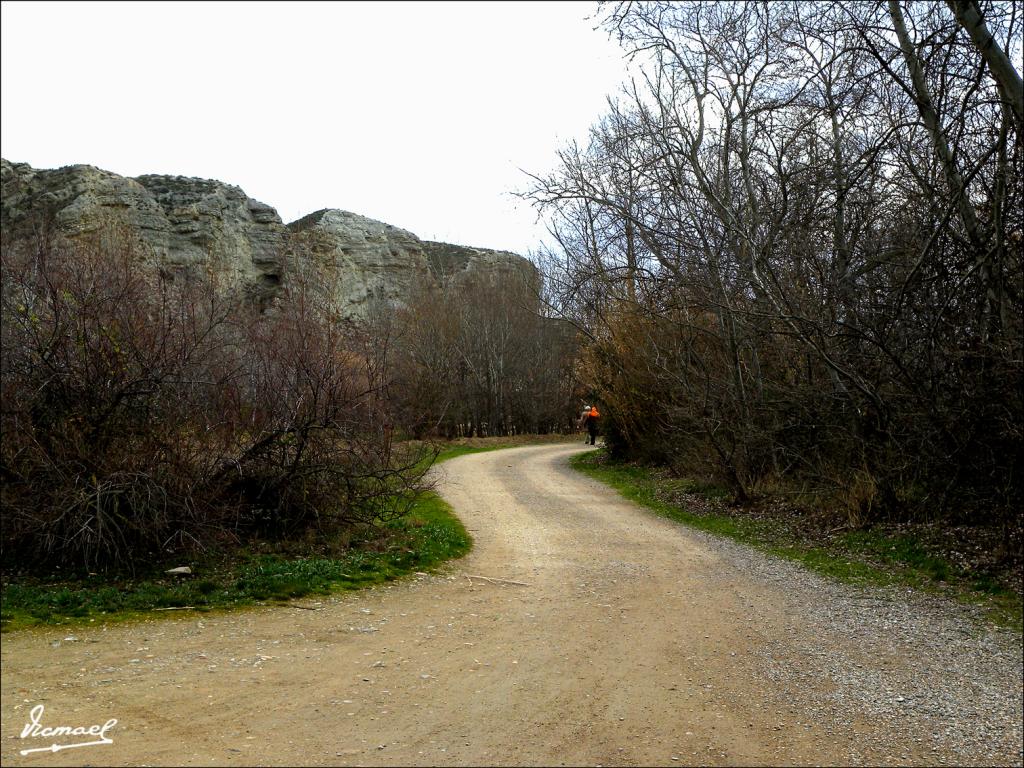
(144, 414)
(477, 359)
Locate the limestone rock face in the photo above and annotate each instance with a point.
(369, 261)
(183, 222)
(208, 222)
(460, 264)
(190, 223)
(77, 199)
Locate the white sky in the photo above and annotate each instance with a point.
(416, 114)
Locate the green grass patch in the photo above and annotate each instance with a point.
(868, 558)
(899, 550)
(482, 444)
(637, 484)
(426, 537)
(454, 451)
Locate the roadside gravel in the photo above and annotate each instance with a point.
(923, 670)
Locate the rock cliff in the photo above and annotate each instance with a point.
(368, 260)
(199, 223)
(460, 264)
(182, 222)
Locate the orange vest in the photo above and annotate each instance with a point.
(593, 412)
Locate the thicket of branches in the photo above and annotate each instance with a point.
(795, 242)
(143, 414)
(478, 357)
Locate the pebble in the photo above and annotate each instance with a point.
(906, 662)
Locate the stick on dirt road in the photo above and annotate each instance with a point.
(619, 638)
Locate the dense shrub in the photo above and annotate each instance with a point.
(144, 413)
(479, 357)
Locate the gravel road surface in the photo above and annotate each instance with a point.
(626, 639)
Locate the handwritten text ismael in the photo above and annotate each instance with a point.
(35, 729)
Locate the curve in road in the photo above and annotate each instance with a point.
(600, 635)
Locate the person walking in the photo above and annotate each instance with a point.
(589, 419)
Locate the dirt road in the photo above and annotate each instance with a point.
(630, 640)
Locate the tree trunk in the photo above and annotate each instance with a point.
(968, 15)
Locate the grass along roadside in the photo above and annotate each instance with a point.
(862, 557)
(464, 445)
(429, 535)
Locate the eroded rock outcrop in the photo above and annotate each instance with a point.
(459, 264)
(368, 260)
(213, 223)
(199, 223)
(183, 222)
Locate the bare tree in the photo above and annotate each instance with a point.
(800, 216)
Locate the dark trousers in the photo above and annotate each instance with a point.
(592, 430)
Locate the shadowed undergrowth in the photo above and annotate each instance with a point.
(427, 536)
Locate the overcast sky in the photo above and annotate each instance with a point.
(418, 114)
